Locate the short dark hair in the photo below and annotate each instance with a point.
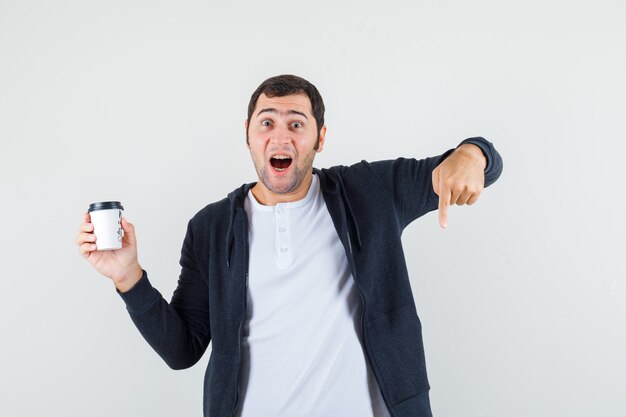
(285, 85)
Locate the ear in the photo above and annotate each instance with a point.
(245, 124)
(320, 146)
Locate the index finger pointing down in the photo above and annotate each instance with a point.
(444, 203)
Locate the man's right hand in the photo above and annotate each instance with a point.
(120, 265)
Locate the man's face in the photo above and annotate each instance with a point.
(282, 134)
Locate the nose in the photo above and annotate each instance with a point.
(280, 135)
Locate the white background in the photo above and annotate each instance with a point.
(522, 299)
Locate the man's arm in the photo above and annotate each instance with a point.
(179, 331)
(460, 172)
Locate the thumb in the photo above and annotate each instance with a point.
(435, 180)
(129, 232)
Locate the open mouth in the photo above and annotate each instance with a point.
(280, 162)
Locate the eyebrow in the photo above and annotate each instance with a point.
(272, 110)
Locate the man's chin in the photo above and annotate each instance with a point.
(286, 182)
(281, 188)
(282, 184)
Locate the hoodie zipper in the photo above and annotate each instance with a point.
(367, 354)
(243, 317)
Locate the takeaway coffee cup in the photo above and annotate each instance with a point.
(106, 218)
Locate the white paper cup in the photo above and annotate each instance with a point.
(106, 218)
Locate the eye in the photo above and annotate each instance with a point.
(266, 123)
(296, 125)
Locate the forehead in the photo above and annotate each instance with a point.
(298, 102)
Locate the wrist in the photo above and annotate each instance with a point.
(131, 278)
(474, 152)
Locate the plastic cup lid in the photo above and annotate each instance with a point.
(105, 205)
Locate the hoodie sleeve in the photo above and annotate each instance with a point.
(178, 331)
(409, 180)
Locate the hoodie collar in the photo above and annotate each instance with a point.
(331, 182)
(236, 199)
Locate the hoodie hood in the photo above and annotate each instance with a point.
(236, 199)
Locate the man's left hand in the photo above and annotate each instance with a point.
(459, 179)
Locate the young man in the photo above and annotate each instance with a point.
(299, 280)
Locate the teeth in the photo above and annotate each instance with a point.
(279, 169)
(281, 157)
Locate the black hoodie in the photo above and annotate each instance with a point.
(370, 205)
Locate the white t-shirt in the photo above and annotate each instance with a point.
(302, 342)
